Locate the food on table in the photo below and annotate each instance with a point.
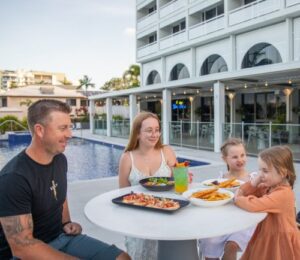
(146, 200)
(158, 182)
(210, 195)
(230, 183)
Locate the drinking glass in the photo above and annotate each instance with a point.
(181, 179)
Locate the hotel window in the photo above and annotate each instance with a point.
(83, 103)
(213, 64)
(152, 38)
(152, 9)
(153, 78)
(261, 54)
(3, 102)
(249, 1)
(211, 13)
(178, 27)
(71, 102)
(179, 71)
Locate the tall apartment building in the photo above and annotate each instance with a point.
(19, 78)
(215, 61)
(250, 48)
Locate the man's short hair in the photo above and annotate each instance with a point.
(40, 110)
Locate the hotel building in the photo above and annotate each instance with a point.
(217, 68)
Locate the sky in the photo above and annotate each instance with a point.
(76, 37)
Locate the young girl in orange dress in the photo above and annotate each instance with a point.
(277, 236)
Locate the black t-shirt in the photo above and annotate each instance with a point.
(29, 187)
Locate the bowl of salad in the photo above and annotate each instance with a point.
(158, 183)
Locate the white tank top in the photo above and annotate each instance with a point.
(136, 175)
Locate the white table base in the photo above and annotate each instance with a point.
(177, 250)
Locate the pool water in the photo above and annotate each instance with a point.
(86, 159)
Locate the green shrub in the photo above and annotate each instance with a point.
(117, 117)
(12, 126)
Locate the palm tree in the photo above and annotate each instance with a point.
(131, 76)
(85, 82)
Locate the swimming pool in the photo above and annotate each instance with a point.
(86, 159)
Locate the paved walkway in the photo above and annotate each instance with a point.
(79, 193)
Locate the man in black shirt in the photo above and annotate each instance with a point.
(34, 215)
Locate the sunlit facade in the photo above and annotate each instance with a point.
(225, 62)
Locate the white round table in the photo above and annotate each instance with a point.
(176, 232)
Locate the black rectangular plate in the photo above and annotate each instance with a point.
(182, 203)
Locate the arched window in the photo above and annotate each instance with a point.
(213, 64)
(179, 71)
(261, 54)
(153, 78)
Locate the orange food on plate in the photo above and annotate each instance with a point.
(141, 199)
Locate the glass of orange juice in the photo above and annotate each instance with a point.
(181, 179)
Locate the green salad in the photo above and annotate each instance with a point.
(158, 181)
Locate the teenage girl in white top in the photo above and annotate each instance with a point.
(234, 155)
(144, 156)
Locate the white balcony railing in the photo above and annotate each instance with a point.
(207, 27)
(142, 3)
(171, 7)
(147, 50)
(292, 2)
(199, 5)
(253, 11)
(173, 39)
(147, 20)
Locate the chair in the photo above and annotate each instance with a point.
(252, 132)
(203, 132)
(176, 130)
(262, 139)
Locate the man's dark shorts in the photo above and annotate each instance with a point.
(85, 247)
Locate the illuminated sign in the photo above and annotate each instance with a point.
(179, 104)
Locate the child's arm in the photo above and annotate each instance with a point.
(249, 189)
(274, 202)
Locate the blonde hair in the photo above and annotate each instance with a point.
(133, 142)
(281, 158)
(230, 142)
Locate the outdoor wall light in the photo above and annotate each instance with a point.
(184, 92)
(174, 93)
(227, 88)
(197, 91)
(266, 83)
(231, 95)
(290, 81)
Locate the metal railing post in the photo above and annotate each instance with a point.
(243, 131)
(181, 132)
(197, 132)
(270, 133)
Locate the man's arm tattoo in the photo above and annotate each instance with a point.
(18, 229)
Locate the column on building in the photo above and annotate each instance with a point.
(92, 116)
(231, 96)
(166, 115)
(219, 114)
(233, 52)
(192, 116)
(290, 39)
(287, 92)
(132, 107)
(108, 116)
